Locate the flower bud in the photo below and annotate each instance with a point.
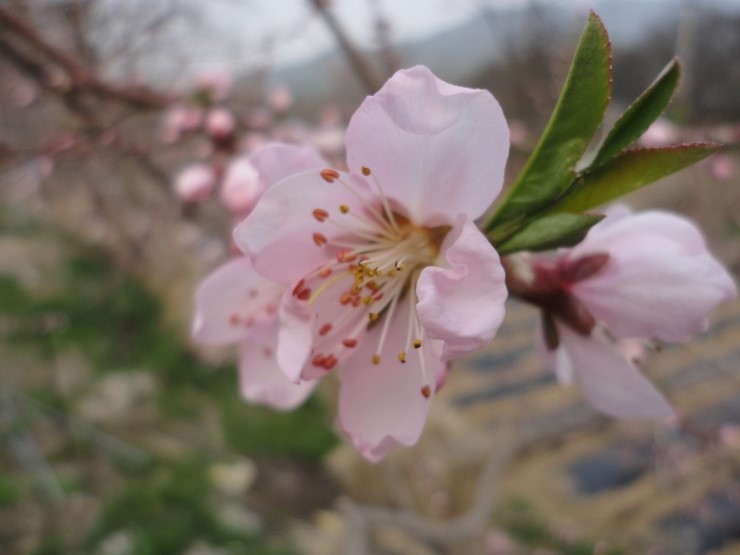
(240, 189)
(195, 183)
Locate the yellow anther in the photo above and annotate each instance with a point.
(378, 272)
(343, 208)
(367, 301)
(376, 359)
(365, 170)
(417, 343)
(372, 316)
(402, 356)
(400, 265)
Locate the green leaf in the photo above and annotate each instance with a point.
(638, 117)
(550, 232)
(576, 117)
(628, 172)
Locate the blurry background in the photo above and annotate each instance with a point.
(119, 436)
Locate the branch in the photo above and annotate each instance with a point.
(81, 77)
(358, 62)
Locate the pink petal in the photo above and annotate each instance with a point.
(231, 301)
(609, 382)
(276, 161)
(659, 281)
(280, 232)
(437, 149)
(261, 379)
(382, 405)
(463, 305)
(296, 336)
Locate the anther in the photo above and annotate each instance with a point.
(329, 175)
(417, 343)
(367, 301)
(349, 342)
(365, 170)
(326, 328)
(402, 356)
(325, 272)
(346, 298)
(304, 294)
(299, 286)
(372, 316)
(426, 391)
(376, 359)
(329, 362)
(318, 360)
(320, 214)
(320, 239)
(344, 209)
(399, 265)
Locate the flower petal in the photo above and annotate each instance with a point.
(382, 405)
(231, 301)
(276, 161)
(609, 382)
(280, 233)
(655, 288)
(260, 378)
(463, 305)
(295, 338)
(437, 149)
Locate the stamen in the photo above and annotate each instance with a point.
(320, 239)
(372, 316)
(365, 171)
(343, 208)
(326, 328)
(325, 272)
(329, 175)
(304, 294)
(417, 343)
(402, 357)
(318, 360)
(320, 214)
(426, 391)
(376, 359)
(349, 343)
(330, 362)
(399, 265)
(386, 207)
(299, 287)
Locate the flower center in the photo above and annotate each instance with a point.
(378, 255)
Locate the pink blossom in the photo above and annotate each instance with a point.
(236, 305)
(633, 278)
(281, 99)
(661, 133)
(220, 123)
(179, 120)
(195, 183)
(240, 189)
(722, 167)
(216, 84)
(389, 278)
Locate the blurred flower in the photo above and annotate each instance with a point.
(220, 123)
(661, 133)
(240, 188)
(280, 99)
(179, 120)
(722, 167)
(634, 277)
(389, 276)
(237, 305)
(195, 183)
(216, 84)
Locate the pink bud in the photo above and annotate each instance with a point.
(179, 120)
(240, 189)
(220, 123)
(195, 183)
(217, 84)
(721, 167)
(281, 99)
(662, 132)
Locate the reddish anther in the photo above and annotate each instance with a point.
(320, 214)
(320, 239)
(349, 342)
(329, 175)
(426, 391)
(304, 294)
(326, 328)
